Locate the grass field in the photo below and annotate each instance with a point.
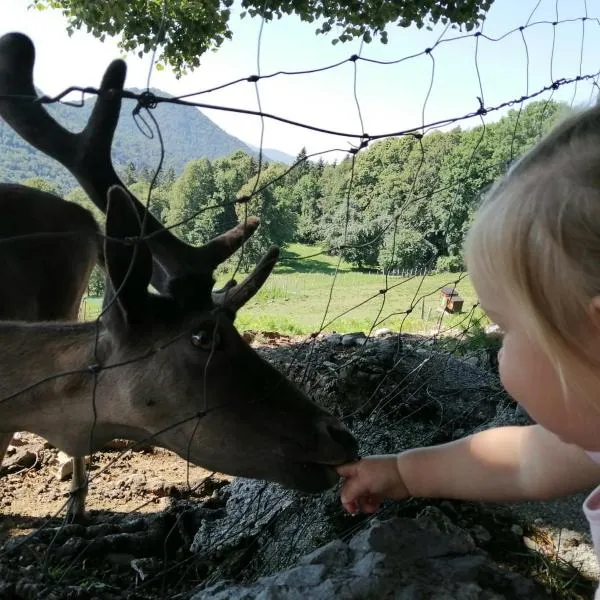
(306, 293)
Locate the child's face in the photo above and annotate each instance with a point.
(530, 378)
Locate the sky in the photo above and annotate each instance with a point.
(394, 97)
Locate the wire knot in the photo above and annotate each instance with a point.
(145, 100)
(131, 240)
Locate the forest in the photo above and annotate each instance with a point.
(402, 203)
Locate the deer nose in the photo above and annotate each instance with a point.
(331, 429)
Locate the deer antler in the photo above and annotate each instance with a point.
(87, 155)
(235, 296)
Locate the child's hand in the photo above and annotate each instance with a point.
(369, 481)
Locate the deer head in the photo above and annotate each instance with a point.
(238, 414)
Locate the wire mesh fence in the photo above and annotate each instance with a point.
(418, 369)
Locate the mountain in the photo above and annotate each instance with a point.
(275, 155)
(187, 134)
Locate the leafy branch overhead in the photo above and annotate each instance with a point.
(191, 27)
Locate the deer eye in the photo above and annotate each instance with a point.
(206, 340)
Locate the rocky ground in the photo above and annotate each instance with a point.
(160, 528)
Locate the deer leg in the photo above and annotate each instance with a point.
(5, 439)
(79, 487)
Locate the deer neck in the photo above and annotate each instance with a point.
(46, 384)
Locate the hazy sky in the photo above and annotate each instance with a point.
(391, 97)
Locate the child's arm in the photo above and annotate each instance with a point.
(501, 464)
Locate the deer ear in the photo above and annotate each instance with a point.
(128, 262)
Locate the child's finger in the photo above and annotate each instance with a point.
(370, 504)
(347, 470)
(353, 490)
(351, 507)
(366, 504)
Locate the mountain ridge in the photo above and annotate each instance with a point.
(187, 134)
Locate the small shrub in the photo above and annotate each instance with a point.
(450, 264)
(475, 340)
(96, 282)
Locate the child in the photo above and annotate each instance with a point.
(534, 258)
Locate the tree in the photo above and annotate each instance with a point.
(96, 282)
(130, 174)
(39, 183)
(190, 28)
(231, 174)
(306, 199)
(407, 202)
(159, 199)
(302, 166)
(191, 196)
(273, 204)
(169, 177)
(146, 174)
(80, 197)
(405, 249)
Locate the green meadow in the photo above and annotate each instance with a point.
(309, 291)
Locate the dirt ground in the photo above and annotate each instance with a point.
(135, 491)
(121, 480)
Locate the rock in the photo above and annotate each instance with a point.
(17, 439)
(399, 396)
(408, 559)
(121, 444)
(243, 517)
(481, 535)
(65, 465)
(19, 460)
(388, 350)
(521, 413)
(330, 365)
(334, 554)
(145, 567)
(120, 559)
(248, 336)
(473, 361)
(351, 339)
(493, 329)
(382, 332)
(335, 339)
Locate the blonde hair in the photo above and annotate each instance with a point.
(536, 238)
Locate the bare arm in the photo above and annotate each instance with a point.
(501, 464)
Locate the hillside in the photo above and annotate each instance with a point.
(275, 155)
(187, 134)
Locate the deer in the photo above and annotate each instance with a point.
(49, 248)
(166, 366)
